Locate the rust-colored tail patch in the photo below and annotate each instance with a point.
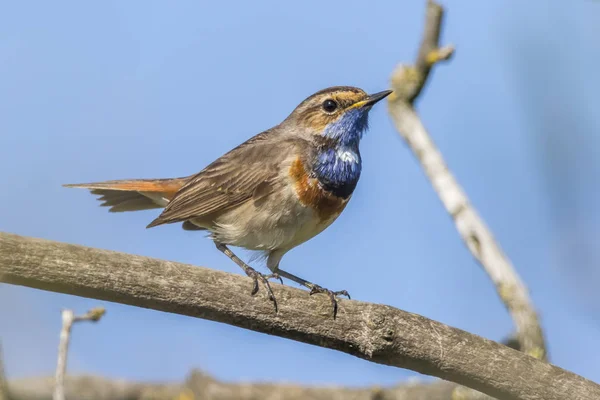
(133, 194)
(170, 186)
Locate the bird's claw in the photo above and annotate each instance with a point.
(275, 276)
(332, 295)
(256, 276)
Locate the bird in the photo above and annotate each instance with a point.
(271, 193)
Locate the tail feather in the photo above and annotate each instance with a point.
(138, 185)
(112, 197)
(133, 194)
(127, 201)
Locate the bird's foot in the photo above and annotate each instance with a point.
(257, 276)
(252, 273)
(332, 295)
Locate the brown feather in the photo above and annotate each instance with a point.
(230, 180)
(189, 226)
(127, 195)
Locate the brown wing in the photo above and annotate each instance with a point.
(230, 180)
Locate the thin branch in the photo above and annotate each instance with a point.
(203, 386)
(377, 333)
(407, 82)
(68, 319)
(4, 395)
(200, 385)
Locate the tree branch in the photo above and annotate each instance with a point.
(407, 82)
(68, 319)
(378, 333)
(4, 395)
(200, 385)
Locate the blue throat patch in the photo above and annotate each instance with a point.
(338, 167)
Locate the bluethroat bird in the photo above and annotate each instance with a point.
(273, 192)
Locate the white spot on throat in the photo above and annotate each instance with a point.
(347, 155)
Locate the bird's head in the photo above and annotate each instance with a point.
(339, 113)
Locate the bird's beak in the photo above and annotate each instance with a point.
(372, 99)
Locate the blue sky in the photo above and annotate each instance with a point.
(110, 90)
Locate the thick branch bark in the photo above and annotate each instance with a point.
(377, 333)
(407, 82)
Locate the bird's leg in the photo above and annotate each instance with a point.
(252, 273)
(315, 288)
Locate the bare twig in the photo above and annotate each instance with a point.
(68, 318)
(3, 386)
(378, 333)
(407, 82)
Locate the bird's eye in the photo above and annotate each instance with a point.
(329, 105)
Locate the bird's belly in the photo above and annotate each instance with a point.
(311, 228)
(281, 221)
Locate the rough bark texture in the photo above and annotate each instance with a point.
(374, 332)
(407, 82)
